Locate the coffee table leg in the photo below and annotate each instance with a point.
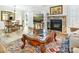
(42, 49)
(23, 45)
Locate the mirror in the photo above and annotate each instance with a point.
(6, 15)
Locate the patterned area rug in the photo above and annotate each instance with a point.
(15, 47)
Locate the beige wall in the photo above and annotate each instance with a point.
(19, 14)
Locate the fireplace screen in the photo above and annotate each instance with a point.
(56, 24)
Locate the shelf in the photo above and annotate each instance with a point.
(38, 21)
(57, 15)
(38, 24)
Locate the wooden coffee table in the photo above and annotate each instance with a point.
(34, 42)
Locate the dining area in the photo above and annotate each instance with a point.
(12, 26)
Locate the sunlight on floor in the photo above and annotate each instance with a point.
(9, 37)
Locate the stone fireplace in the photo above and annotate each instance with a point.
(57, 23)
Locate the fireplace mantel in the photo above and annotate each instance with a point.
(57, 15)
(63, 18)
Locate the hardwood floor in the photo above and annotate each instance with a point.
(9, 37)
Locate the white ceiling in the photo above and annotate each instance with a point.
(33, 8)
(25, 7)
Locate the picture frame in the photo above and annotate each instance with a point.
(6, 15)
(56, 10)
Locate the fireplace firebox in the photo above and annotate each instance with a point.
(56, 24)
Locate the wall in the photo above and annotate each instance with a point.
(28, 19)
(19, 13)
(73, 15)
(71, 12)
(5, 8)
(27, 12)
(44, 9)
(47, 10)
(41, 10)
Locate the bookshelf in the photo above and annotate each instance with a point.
(38, 23)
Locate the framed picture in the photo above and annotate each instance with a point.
(6, 15)
(56, 10)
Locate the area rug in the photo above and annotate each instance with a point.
(15, 47)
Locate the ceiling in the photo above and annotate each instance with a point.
(33, 8)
